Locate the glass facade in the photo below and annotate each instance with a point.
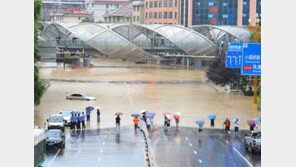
(222, 12)
(184, 12)
(246, 12)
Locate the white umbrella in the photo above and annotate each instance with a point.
(168, 116)
(98, 108)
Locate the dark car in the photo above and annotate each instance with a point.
(55, 138)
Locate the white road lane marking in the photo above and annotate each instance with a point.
(99, 159)
(190, 144)
(186, 138)
(130, 97)
(102, 150)
(53, 158)
(200, 160)
(195, 152)
(243, 157)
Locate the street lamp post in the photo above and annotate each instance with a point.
(257, 32)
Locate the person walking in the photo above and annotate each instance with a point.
(168, 124)
(144, 117)
(212, 123)
(177, 122)
(88, 115)
(83, 120)
(136, 123)
(251, 128)
(236, 124)
(148, 121)
(117, 121)
(200, 128)
(227, 125)
(78, 122)
(72, 122)
(165, 121)
(75, 121)
(98, 115)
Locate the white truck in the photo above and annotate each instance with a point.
(253, 141)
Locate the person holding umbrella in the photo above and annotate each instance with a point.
(177, 116)
(212, 118)
(227, 125)
(117, 122)
(78, 121)
(83, 120)
(200, 123)
(72, 122)
(251, 123)
(148, 121)
(236, 122)
(87, 114)
(136, 123)
(98, 115)
(75, 121)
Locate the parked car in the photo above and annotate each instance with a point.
(79, 96)
(55, 138)
(56, 122)
(253, 141)
(67, 117)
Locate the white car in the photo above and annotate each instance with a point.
(56, 122)
(67, 117)
(80, 96)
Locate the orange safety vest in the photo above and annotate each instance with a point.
(136, 121)
(227, 123)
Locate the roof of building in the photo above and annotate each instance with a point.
(69, 14)
(138, 3)
(124, 10)
(109, 1)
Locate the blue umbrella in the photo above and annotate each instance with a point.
(234, 120)
(200, 122)
(256, 120)
(212, 116)
(89, 108)
(151, 113)
(75, 112)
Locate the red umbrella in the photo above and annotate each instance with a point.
(251, 123)
(119, 113)
(166, 113)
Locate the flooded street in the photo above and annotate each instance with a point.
(123, 87)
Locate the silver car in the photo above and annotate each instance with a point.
(80, 96)
(67, 117)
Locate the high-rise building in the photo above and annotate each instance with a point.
(219, 12)
(97, 9)
(138, 12)
(60, 6)
(162, 12)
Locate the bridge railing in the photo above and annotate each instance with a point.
(148, 149)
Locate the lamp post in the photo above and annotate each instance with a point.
(257, 32)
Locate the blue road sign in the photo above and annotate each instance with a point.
(233, 59)
(234, 55)
(251, 60)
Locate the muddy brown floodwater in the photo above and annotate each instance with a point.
(123, 87)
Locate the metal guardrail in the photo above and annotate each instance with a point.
(148, 149)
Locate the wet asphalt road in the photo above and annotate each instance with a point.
(174, 148)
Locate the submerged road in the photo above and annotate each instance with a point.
(183, 147)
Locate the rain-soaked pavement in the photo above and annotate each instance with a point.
(183, 147)
(123, 87)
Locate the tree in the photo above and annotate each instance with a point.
(220, 75)
(39, 86)
(87, 20)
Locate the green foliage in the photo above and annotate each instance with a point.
(220, 75)
(39, 86)
(87, 20)
(100, 21)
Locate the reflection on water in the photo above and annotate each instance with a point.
(157, 89)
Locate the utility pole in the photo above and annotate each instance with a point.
(257, 33)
